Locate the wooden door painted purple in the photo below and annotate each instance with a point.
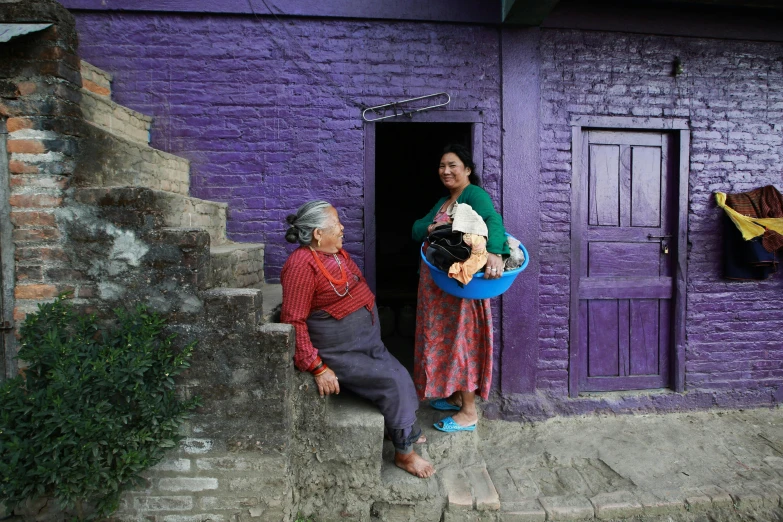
(628, 214)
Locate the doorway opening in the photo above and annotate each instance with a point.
(406, 188)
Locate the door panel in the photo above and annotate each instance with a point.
(646, 187)
(604, 185)
(625, 283)
(622, 259)
(645, 328)
(604, 338)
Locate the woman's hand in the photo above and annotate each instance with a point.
(327, 383)
(494, 266)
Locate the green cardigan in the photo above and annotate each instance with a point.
(480, 201)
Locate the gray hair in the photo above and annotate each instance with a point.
(308, 217)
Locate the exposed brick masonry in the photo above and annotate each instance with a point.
(39, 96)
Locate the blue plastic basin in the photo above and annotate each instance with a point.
(479, 287)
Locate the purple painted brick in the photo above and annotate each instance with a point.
(639, 83)
(268, 125)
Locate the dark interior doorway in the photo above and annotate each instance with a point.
(406, 188)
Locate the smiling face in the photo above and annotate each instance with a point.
(453, 173)
(331, 235)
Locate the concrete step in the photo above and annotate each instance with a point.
(115, 118)
(238, 265)
(96, 80)
(405, 498)
(337, 448)
(110, 160)
(143, 209)
(235, 309)
(273, 301)
(250, 307)
(448, 449)
(355, 432)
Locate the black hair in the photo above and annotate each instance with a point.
(465, 156)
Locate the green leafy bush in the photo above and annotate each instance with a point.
(94, 408)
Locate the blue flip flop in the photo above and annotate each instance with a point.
(449, 425)
(443, 405)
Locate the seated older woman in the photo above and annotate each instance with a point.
(327, 300)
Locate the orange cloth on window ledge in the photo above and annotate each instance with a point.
(463, 272)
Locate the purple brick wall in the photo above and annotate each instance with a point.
(269, 111)
(732, 94)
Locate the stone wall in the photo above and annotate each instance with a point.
(269, 111)
(234, 463)
(731, 92)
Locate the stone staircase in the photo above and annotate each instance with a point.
(346, 469)
(264, 444)
(132, 178)
(135, 232)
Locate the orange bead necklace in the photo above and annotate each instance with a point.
(343, 276)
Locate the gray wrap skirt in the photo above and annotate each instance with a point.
(353, 349)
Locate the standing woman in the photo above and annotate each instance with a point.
(338, 336)
(453, 349)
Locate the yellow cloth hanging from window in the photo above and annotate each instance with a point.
(749, 226)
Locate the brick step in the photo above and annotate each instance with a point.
(109, 160)
(112, 266)
(471, 494)
(143, 209)
(96, 80)
(238, 265)
(461, 490)
(115, 118)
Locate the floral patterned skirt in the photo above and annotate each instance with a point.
(453, 350)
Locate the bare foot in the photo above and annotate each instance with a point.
(414, 464)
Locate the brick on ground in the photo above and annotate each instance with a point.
(486, 495)
(522, 511)
(616, 504)
(568, 507)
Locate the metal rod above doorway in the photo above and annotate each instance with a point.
(398, 110)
